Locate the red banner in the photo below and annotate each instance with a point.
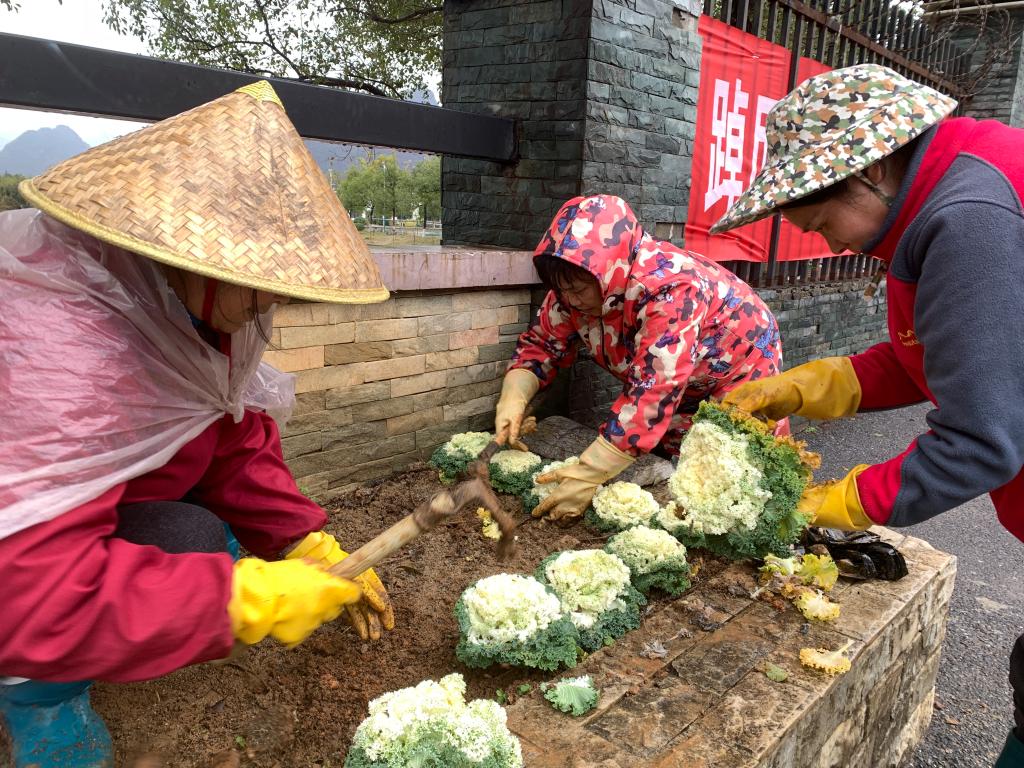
(741, 78)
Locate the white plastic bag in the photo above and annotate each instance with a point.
(102, 376)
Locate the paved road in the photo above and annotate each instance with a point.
(987, 612)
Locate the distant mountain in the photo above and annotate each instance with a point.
(35, 151)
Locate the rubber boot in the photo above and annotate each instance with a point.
(53, 725)
(233, 546)
(1012, 755)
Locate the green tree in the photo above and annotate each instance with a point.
(10, 198)
(385, 47)
(397, 196)
(380, 187)
(358, 190)
(426, 185)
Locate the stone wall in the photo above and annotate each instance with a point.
(1001, 96)
(380, 386)
(605, 92)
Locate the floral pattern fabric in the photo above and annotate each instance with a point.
(675, 329)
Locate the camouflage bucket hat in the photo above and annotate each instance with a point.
(830, 127)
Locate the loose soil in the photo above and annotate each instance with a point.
(300, 707)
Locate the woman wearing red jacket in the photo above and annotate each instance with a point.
(138, 294)
(863, 156)
(673, 327)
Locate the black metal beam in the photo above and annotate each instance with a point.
(55, 76)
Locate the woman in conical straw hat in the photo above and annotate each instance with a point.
(870, 160)
(138, 295)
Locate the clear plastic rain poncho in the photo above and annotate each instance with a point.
(102, 376)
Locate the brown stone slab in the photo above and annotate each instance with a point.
(723, 657)
(648, 721)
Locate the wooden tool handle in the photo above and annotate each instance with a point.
(371, 553)
(423, 518)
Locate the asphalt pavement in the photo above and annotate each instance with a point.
(973, 707)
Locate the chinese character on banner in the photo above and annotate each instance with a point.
(725, 179)
(742, 77)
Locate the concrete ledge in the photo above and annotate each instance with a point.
(708, 703)
(447, 267)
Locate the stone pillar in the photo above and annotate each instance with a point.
(1001, 95)
(605, 92)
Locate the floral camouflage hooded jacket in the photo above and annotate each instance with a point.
(675, 328)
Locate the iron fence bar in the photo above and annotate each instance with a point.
(50, 75)
(821, 35)
(755, 18)
(772, 19)
(743, 14)
(802, 9)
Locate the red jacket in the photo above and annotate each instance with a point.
(675, 329)
(955, 243)
(80, 604)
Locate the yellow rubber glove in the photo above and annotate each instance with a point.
(820, 389)
(517, 389)
(370, 614)
(577, 483)
(836, 504)
(286, 599)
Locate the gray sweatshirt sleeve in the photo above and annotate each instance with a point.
(969, 315)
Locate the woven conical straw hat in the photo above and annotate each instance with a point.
(227, 190)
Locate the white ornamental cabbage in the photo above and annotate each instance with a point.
(622, 505)
(594, 587)
(509, 607)
(512, 471)
(537, 492)
(431, 722)
(514, 619)
(654, 558)
(588, 582)
(715, 483)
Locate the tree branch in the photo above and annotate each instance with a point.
(376, 17)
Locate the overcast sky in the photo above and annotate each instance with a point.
(76, 21)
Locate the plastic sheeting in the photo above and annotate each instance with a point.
(102, 376)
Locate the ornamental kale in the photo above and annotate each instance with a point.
(575, 695)
(513, 471)
(432, 725)
(537, 492)
(619, 506)
(594, 588)
(452, 458)
(736, 487)
(513, 619)
(654, 559)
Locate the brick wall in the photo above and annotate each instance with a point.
(380, 386)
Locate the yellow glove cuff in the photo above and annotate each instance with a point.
(600, 462)
(837, 505)
(320, 547)
(519, 385)
(821, 389)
